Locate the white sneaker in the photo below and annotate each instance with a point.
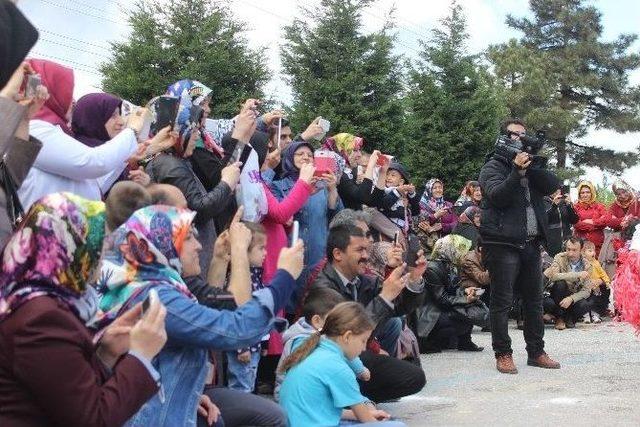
(596, 317)
(586, 318)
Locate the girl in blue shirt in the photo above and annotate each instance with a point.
(319, 382)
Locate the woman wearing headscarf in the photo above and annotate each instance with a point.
(314, 217)
(173, 167)
(18, 150)
(437, 217)
(446, 318)
(471, 196)
(64, 163)
(625, 207)
(593, 216)
(347, 150)
(156, 249)
(468, 225)
(51, 372)
(97, 119)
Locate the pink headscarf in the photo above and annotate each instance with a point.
(59, 81)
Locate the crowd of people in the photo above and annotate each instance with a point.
(228, 271)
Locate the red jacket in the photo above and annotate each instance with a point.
(618, 213)
(50, 374)
(600, 216)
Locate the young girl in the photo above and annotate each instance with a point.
(601, 284)
(320, 383)
(242, 364)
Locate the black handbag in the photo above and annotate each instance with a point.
(15, 211)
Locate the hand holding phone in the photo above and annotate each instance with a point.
(413, 247)
(31, 90)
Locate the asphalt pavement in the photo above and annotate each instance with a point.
(598, 383)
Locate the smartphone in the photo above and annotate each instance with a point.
(195, 117)
(147, 301)
(295, 232)
(383, 159)
(166, 111)
(279, 133)
(33, 81)
(413, 247)
(324, 124)
(324, 165)
(396, 239)
(479, 292)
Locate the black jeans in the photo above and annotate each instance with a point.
(244, 409)
(601, 302)
(509, 268)
(451, 325)
(559, 291)
(391, 378)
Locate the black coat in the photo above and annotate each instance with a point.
(168, 169)
(368, 295)
(354, 195)
(503, 207)
(561, 217)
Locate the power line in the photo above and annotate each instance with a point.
(100, 18)
(74, 48)
(87, 68)
(63, 36)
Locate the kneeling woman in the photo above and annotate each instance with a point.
(155, 249)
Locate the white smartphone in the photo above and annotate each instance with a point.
(295, 233)
(396, 239)
(279, 133)
(479, 292)
(324, 124)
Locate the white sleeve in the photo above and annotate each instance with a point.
(63, 155)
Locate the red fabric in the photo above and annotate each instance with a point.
(58, 80)
(618, 213)
(627, 287)
(592, 232)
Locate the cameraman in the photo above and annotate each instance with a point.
(561, 217)
(513, 223)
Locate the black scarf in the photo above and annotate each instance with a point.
(17, 37)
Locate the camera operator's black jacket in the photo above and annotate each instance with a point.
(503, 208)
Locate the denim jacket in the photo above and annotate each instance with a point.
(193, 330)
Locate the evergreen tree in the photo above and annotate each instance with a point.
(350, 78)
(562, 77)
(185, 39)
(454, 109)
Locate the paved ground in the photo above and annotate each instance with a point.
(599, 383)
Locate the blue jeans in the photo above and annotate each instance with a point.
(242, 376)
(390, 335)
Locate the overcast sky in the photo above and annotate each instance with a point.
(77, 32)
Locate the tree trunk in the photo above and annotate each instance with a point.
(561, 153)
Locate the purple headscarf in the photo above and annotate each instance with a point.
(90, 114)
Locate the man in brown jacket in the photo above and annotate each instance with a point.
(570, 285)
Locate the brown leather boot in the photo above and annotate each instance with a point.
(560, 325)
(504, 364)
(543, 361)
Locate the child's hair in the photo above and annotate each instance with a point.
(255, 229)
(346, 316)
(588, 245)
(320, 301)
(124, 199)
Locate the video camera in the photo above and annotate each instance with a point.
(509, 148)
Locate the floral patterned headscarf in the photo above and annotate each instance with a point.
(141, 253)
(427, 201)
(344, 144)
(54, 252)
(451, 248)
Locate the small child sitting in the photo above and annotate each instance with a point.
(600, 284)
(317, 305)
(319, 381)
(242, 364)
